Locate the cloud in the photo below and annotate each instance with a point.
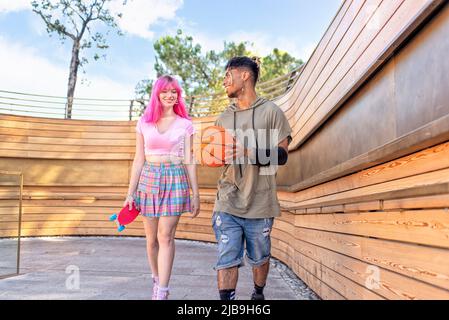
(140, 15)
(24, 69)
(14, 5)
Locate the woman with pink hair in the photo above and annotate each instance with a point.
(163, 173)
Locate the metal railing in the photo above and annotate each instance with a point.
(27, 104)
(18, 103)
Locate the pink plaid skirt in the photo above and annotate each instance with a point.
(163, 190)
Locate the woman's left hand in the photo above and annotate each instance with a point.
(195, 207)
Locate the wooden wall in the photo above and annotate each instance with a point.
(374, 106)
(392, 217)
(365, 194)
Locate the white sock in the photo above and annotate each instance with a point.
(163, 289)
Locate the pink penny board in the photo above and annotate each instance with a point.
(125, 216)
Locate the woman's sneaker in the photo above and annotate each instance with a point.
(162, 293)
(155, 288)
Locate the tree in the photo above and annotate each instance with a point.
(278, 63)
(74, 19)
(202, 74)
(143, 92)
(179, 56)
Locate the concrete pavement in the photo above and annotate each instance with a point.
(103, 268)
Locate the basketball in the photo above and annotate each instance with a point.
(211, 151)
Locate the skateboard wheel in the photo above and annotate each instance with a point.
(121, 228)
(113, 217)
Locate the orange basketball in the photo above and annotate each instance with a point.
(213, 141)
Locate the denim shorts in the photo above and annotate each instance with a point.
(233, 233)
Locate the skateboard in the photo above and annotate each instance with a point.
(124, 217)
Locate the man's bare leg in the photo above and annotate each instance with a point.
(227, 282)
(260, 274)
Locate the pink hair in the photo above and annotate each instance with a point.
(154, 109)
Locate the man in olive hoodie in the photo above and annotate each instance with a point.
(246, 201)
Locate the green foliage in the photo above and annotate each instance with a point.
(202, 73)
(143, 92)
(181, 57)
(276, 64)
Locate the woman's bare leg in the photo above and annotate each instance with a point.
(151, 225)
(166, 238)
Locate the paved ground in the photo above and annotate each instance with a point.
(117, 268)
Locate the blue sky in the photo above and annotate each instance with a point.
(31, 61)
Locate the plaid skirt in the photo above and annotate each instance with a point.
(163, 190)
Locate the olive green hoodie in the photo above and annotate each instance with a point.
(247, 190)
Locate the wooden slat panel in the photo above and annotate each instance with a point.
(28, 228)
(70, 172)
(344, 286)
(67, 134)
(101, 232)
(73, 231)
(430, 227)
(68, 126)
(67, 196)
(67, 141)
(37, 120)
(69, 203)
(202, 219)
(66, 155)
(430, 159)
(438, 201)
(333, 209)
(363, 206)
(49, 212)
(350, 51)
(320, 57)
(391, 285)
(337, 57)
(318, 286)
(419, 262)
(99, 148)
(195, 236)
(381, 191)
(403, 22)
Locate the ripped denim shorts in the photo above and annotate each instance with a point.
(234, 233)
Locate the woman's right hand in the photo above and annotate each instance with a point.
(129, 202)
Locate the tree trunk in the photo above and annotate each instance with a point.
(74, 64)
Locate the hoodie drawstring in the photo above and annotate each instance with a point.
(240, 166)
(255, 133)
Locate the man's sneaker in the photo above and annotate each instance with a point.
(257, 296)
